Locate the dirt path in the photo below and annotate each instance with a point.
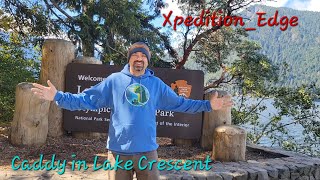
(33, 175)
(69, 148)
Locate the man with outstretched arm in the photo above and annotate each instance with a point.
(134, 95)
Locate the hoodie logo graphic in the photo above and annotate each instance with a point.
(137, 94)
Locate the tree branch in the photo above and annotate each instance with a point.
(199, 37)
(116, 51)
(239, 6)
(60, 19)
(61, 10)
(217, 82)
(193, 43)
(185, 35)
(173, 53)
(277, 128)
(247, 114)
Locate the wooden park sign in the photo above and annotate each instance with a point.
(188, 83)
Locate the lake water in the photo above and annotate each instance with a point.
(295, 131)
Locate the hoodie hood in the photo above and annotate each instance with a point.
(146, 74)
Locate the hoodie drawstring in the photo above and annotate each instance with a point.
(140, 88)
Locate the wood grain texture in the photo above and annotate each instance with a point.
(229, 143)
(56, 55)
(30, 121)
(213, 119)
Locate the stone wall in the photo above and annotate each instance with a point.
(293, 166)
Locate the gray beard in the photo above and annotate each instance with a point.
(138, 68)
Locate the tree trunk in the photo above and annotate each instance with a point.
(212, 120)
(30, 121)
(56, 55)
(88, 135)
(229, 143)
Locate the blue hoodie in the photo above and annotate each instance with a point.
(133, 102)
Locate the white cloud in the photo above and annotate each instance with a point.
(296, 4)
(172, 6)
(314, 5)
(278, 3)
(310, 5)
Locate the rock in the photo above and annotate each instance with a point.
(226, 176)
(200, 177)
(252, 174)
(312, 178)
(214, 177)
(303, 178)
(187, 177)
(317, 173)
(294, 175)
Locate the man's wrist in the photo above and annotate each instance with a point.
(58, 96)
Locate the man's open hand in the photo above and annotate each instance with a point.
(220, 103)
(43, 92)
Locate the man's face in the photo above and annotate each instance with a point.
(138, 62)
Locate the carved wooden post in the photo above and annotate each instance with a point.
(212, 120)
(229, 143)
(56, 55)
(88, 135)
(30, 121)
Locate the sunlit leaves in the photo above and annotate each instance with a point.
(15, 67)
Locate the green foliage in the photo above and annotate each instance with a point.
(15, 67)
(217, 47)
(253, 71)
(276, 116)
(110, 25)
(251, 77)
(5, 21)
(29, 17)
(295, 51)
(293, 89)
(256, 80)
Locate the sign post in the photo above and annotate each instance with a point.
(187, 83)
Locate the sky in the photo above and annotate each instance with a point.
(305, 5)
(309, 5)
